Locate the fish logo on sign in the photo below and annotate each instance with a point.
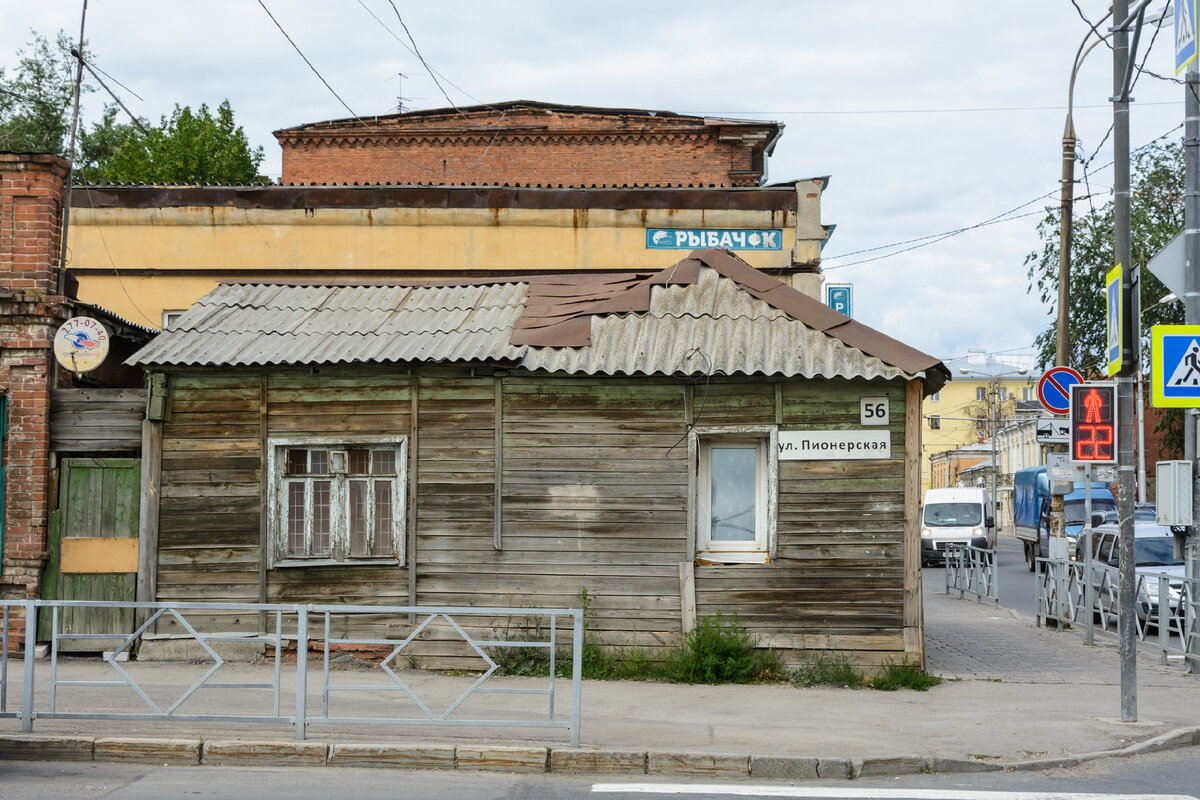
(1187, 372)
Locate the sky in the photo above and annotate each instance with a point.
(938, 122)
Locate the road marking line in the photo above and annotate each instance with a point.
(749, 790)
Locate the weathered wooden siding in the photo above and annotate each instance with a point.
(208, 539)
(331, 403)
(837, 582)
(96, 420)
(594, 496)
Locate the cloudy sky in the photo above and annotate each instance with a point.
(929, 116)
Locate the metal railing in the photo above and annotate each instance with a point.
(972, 570)
(283, 626)
(1066, 596)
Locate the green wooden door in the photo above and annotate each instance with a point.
(93, 547)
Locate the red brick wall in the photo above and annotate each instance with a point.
(31, 188)
(528, 146)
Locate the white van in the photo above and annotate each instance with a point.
(955, 515)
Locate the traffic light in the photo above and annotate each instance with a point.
(1094, 423)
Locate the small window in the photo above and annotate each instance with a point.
(735, 502)
(1029, 393)
(337, 503)
(935, 423)
(980, 393)
(936, 397)
(169, 318)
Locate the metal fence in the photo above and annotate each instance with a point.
(1066, 596)
(972, 570)
(288, 688)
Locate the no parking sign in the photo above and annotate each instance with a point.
(1054, 389)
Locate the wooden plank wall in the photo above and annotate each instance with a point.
(208, 539)
(594, 481)
(837, 584)
(96, 420)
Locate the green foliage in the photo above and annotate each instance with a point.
(1156, 214)
(904, 676)
(35, 99)
(188, 147)
(829, 670)
(719, 650)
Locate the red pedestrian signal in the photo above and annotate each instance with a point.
(1093, 417)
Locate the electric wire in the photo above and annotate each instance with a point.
(375, 135)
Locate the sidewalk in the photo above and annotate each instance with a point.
(1012, 694)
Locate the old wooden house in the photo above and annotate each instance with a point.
(675, 442)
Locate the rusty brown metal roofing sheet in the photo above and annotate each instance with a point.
(710, 303)
(782, 198)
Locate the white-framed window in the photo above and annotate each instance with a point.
(337, 501)
(169, 318)
(1029, 393)
(736, 479)
(936, 397)
(935, 423)
(980, 393)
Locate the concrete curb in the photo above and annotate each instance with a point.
(498, 758)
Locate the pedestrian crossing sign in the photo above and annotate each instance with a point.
(1175, 366)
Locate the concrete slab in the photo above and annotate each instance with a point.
(395, 756)
(501, 759)
(265, 754)
(712, 765)
(46, 748)
(598, 761)
(155, 751)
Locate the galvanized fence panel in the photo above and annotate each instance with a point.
(972, 570)
(1085, 595)
(283, 624)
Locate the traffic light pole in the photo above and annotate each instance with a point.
(1191, 300)
(1126, 629)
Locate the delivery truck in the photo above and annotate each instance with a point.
(1031, 511)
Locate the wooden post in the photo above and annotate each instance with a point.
(687, 594)
(147, 576)
(914, 624)
(410, 551)
(498, 485)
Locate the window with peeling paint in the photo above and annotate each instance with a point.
(337, 502)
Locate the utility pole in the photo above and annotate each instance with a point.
(1191, 299)
(1126, 627)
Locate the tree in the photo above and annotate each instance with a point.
(35, 100)
(188, 147)
(1156, 215)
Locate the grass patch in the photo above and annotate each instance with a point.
(829, 670)
(904, 676)
(719, 650)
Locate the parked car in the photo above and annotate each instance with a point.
(1154, 554)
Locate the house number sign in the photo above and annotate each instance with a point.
(873, 411)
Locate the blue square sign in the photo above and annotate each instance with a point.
(1175, 366)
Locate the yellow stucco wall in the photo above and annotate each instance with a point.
(139, 262)
(952, 409)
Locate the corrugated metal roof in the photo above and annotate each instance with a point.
(709, 314)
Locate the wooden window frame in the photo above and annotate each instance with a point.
(763, 549)
(339, 553)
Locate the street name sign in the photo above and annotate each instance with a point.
(1054, 389)
(1175, 366)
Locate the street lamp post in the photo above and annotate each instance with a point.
(993, 394)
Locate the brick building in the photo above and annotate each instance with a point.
(34, 391)
(31, 309)
(530, 144)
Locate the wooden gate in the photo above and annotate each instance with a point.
(93, 543)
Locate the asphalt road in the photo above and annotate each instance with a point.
(1168, 775)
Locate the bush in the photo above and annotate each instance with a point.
(720, 650)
